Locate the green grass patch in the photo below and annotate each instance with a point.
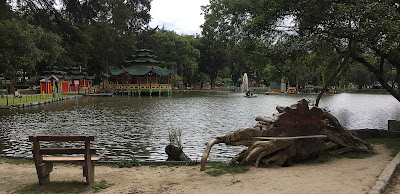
(30, 98)
(56, 187)
(100, 186)
(16, 161)
(358, 155)
(392, 143)
(220, 168)
(326, 157)
(63, 187)
(323, 158)
(128, 162)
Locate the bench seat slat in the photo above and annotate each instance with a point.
(69, 159)
(53, 151)
(58, 138)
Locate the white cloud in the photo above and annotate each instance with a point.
(181, 16)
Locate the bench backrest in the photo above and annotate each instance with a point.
(44, 165)
(58, 138)
(38, 151)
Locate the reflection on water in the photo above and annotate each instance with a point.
(125, 125)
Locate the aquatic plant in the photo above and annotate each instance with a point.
(175, 137)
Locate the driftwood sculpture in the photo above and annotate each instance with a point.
(297, 133)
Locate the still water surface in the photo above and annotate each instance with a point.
(139, 126)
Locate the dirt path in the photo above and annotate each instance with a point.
(338, 176)
(394, 186)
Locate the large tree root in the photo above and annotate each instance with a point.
(207, 151)
(294, 121)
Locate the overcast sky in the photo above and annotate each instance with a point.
(181, 16)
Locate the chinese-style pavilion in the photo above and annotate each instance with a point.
(70, 79)
(141, 75)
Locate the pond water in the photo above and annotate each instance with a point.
(139, 126)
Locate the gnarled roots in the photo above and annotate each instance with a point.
(301, 134)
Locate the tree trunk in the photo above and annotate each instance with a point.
(378, 76)
(175, 154)
(207, 152)
(333, 76)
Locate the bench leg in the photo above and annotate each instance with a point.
(43, 171)
(89, 173)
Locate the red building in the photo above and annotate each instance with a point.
(70, 79)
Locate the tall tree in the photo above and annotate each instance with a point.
(95, 34)
(108, 48)
(5, 11)
(358, 29)
(23, 45)
(214, 40)
(176, 52)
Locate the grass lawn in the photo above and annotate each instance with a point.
(31, 98)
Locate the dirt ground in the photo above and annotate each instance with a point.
(394, 187)
(338, 176)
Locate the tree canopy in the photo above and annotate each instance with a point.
(91, 34)
(305, 42)
(366, 31)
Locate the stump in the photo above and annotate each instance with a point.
(323, 129)
(175, 154)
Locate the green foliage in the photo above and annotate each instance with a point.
(226, 80)
(175, 137)
(176, 80)
(108, 48)
(177, 53)
(201, 77)
(91, 34)
(220, 168)
(362, 30)
(214, 41)
(128, 162)
(23, 45)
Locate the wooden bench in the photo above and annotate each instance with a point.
(44, 164)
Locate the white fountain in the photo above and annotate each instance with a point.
(245, 83)
(245, 86)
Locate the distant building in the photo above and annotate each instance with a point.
(275, 87)
(70, 79)
(308, 88)
(141, 75)
(292, 90)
